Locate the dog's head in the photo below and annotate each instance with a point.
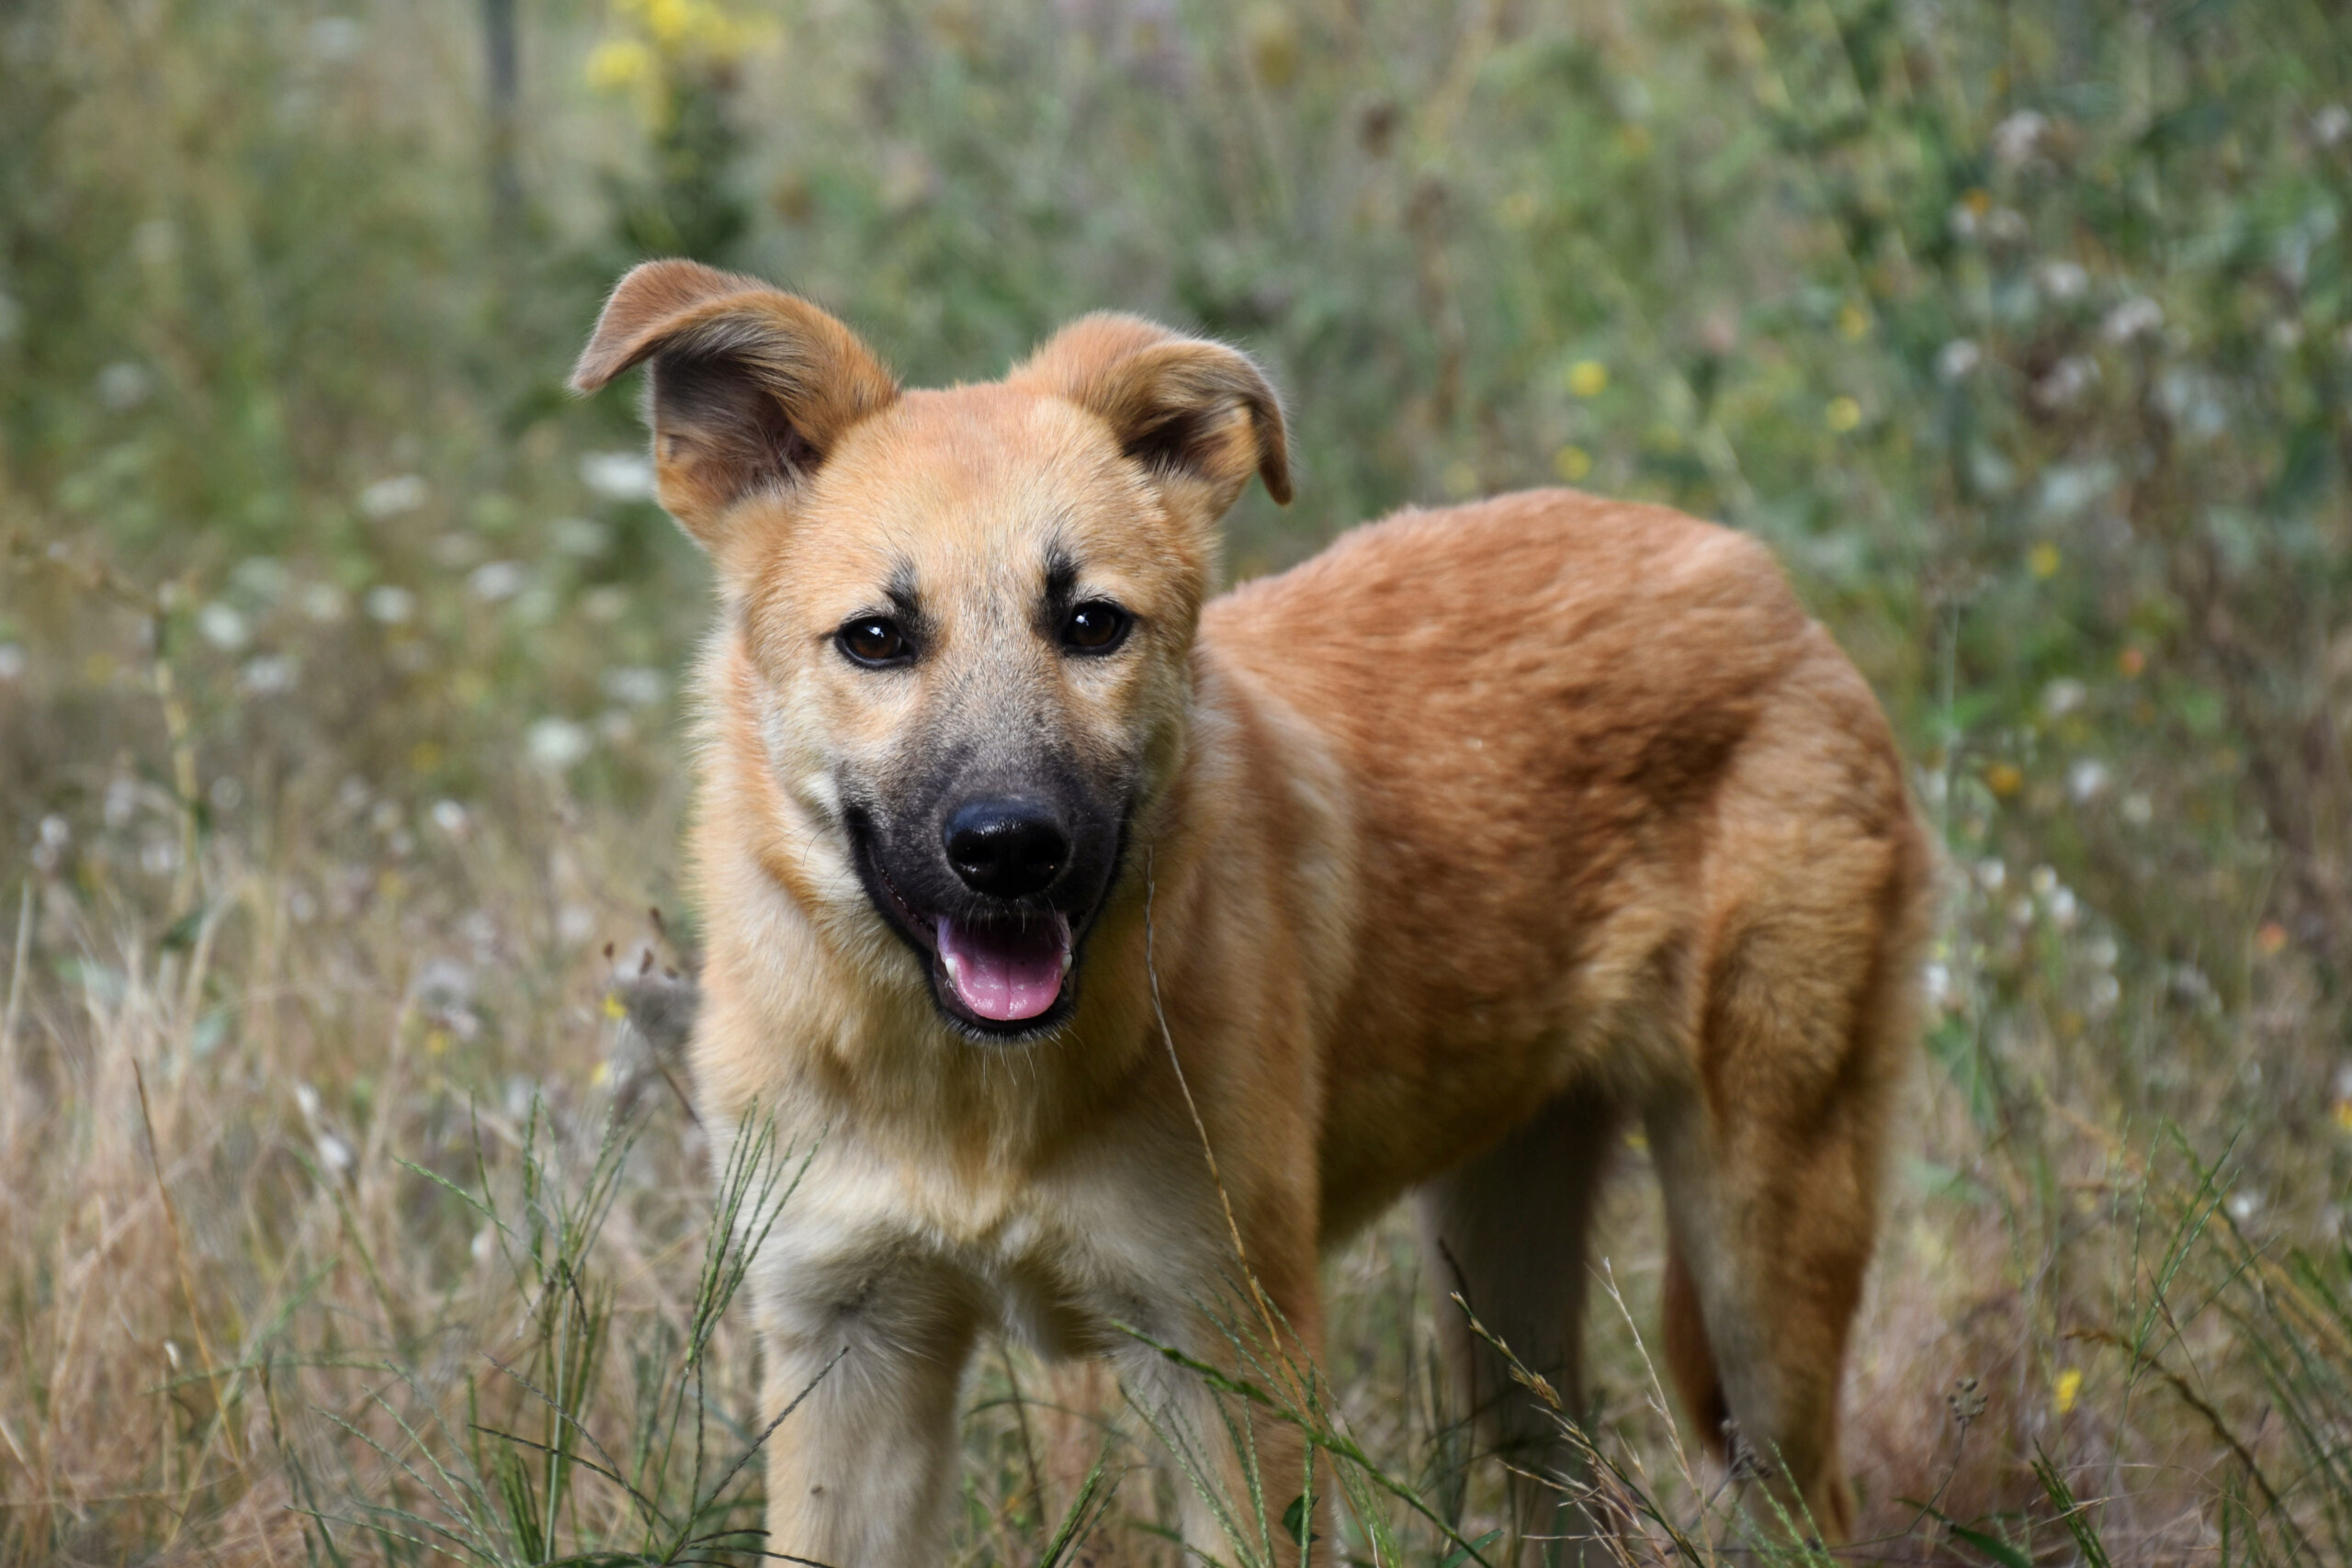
(967, 613)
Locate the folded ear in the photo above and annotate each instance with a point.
(1196, 414)
(750, 388)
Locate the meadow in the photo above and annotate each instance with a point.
(350, 1211)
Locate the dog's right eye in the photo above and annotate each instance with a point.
(875, 641)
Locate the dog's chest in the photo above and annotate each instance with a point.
(1066, 1260)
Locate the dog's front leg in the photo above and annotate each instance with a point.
(1243, 1457)
(861, 1474)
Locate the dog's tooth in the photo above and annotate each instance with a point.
(1068, 960)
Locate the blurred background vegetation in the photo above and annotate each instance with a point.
(339, 650)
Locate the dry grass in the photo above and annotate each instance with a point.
(334, 738)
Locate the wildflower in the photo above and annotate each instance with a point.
(495, 580)
(390, 498)
(1853, 323)
(620, 64)
(556, 744)
(391, 604)
(2271, 938)
(2003, 779)
(2064, 1389)
(1572, 463)
(1956, 359)
(222, 626)
(2131, 662)
(1588, 378)
(2043, 560)
(2017, 139)
(2136, 317)
(619, 476)
(1842, 414)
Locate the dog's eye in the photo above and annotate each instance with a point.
(1096, 626)
(874, 640)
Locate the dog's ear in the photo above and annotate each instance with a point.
(1193, 412)
(750, 389)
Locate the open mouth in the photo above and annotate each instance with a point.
(1005, 971)
(1000, 976)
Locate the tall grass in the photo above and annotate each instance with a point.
(337, 654)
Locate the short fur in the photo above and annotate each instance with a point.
(1445, 856)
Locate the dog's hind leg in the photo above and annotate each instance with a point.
(1508, 1233)
(1770, 1157)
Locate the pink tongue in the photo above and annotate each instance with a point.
(1005, 972)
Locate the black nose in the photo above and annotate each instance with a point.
(1006, 849)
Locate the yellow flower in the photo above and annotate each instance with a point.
(1588, 378)
(2065, 1389)
(602, 1074)
(1842, 414)
(615, 1008)
(2343, 1114)
(436, 1041)
(2043, 560)
(1853, 324)
(2003, 779)
(1572, 462)
(618, 64)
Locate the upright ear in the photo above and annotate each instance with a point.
(1195, 413)
(751, 387)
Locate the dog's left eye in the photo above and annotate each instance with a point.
(1096, 626)
(874, 640)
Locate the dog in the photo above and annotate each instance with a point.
(1110, 951)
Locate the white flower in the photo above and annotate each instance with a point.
(124, 385)
(390, 603)
(2066, 381)
(2062, 279)
(450, 817)
(1957, 358)
(497, 580)
(390, 498)
(579, 536)
(2136, 317)
(2018, 137)
(2063, 697)
(635, 684)
(267, 676)
(556, 744)
(222, 626)
(324, 602)
(2087, 780)
(619, 476)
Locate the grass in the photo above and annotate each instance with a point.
(340, 1220)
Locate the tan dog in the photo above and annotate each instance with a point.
(1447, 852)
